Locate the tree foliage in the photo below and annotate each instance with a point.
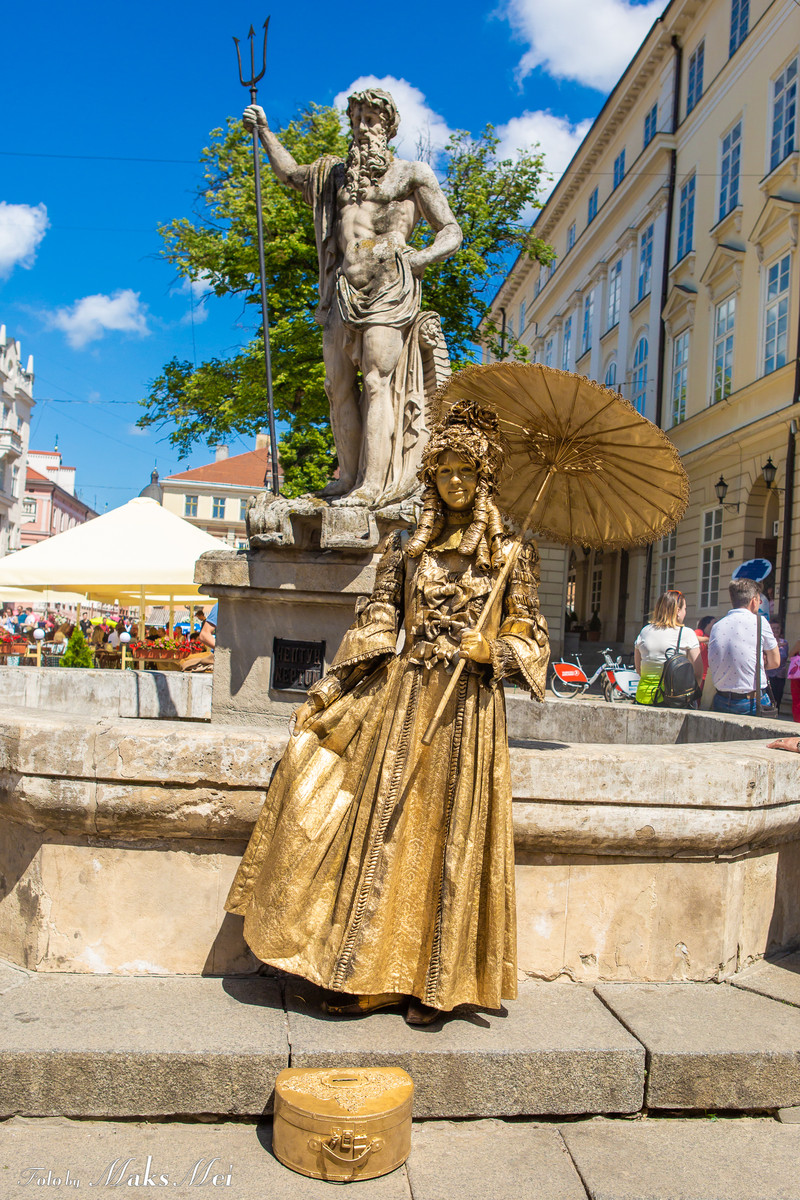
(77, 653)
(224, 397)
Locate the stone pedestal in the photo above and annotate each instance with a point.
(285, 606)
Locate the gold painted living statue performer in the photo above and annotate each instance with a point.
(379, 867)
(365, 210)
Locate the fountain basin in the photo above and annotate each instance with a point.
(649, 845)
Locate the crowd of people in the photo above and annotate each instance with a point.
(723, 653)
(100, 632)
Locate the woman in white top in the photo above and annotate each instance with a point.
(650, 651)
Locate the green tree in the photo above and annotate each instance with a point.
(223, 397)
(77, 653)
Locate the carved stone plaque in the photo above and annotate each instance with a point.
(296, 665)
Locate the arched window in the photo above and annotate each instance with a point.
(640, 375)
(611, 374)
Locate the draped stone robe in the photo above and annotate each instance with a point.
(378, 864)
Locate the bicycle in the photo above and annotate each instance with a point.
(618, 683)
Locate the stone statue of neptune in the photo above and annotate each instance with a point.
(370, 297)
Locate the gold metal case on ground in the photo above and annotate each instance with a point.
(342, 1124)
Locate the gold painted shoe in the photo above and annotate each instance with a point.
(418, 1013)
(340, 1004)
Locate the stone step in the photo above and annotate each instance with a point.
(598, 1159)
(89, 1046)
(711, 1046)
(186, 1046)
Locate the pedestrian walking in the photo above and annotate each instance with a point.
(703, 631)
(793, 675)
(666, 632)
(732, 652)
(777, 675)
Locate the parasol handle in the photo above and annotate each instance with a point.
(497, 590)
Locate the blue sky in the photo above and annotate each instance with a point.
(106, 109)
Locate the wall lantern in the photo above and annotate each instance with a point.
(769, 471)
(721, 488)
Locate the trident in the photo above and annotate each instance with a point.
(251, 83)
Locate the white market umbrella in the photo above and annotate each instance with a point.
(15, 595)
(138, 550)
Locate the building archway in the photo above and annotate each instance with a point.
(761, 520)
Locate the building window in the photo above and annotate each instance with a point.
(784, 115)
(619, 168)
(242, 510)
(597, 589)
(639, 396)
(694, 85)
(723, 348)
(610, 379)
(614, 290)
(666, 565)
(551, 270)
(777, 314)
(510, 328)
(548, 352)
(730, 169)
(240, 545)
(680, 374)
(190, 506)
(15, 482)
(566, 345)
(29, 507)
(709, 569)
(571, 236)
(218, 508)
(522, 307)
(588, 319)
(572, 579)
(645, 263)
(537, 287)
(592, 211)
(650, 125)
(686, 219)
(740, 16)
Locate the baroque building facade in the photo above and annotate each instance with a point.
(16, 403)
(214, 497)
(677, 282)
(50, 505)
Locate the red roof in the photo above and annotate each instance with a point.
(31, 474)
(242, 470)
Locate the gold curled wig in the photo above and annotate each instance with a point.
(474, 432)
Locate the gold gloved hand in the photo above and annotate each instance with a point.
(475, 646)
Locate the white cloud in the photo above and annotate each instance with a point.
(91, 318)
(589, 41)
(419, 124)
(22, 227)
(135, 431)
(557, 137)
(197, 289)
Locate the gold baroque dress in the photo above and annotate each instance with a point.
(377, 864)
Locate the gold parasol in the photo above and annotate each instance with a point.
(612, 478)
(617, 479)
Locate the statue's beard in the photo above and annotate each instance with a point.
(367, 161)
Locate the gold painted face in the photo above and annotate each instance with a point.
(456, 481)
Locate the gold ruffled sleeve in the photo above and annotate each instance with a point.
(373, 634)
(521, 651)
